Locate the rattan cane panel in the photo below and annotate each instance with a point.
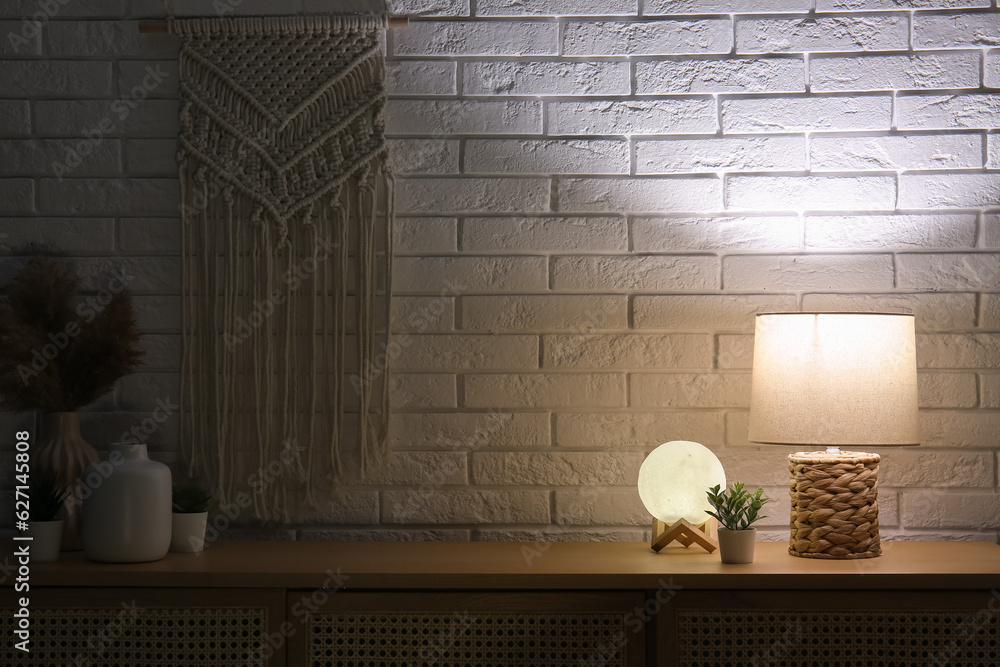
(827, 639)
(466, 640)
(134, 636)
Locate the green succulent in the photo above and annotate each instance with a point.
(736, 508)
(190, 499)
(47, 497)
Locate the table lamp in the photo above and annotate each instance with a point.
(834, 380)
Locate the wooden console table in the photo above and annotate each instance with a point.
(498, 604)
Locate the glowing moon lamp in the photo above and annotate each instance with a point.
(673, 481)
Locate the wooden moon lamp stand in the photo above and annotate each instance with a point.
(685, 532)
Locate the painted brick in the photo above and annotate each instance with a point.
(17, 196)
(690, 390)
(706, 312)
(951, 191)
(992, 151)
(151, 157)
(861, 5)
(452, 275)
(623, 274)
(431, 390)
(797, 114)
(991, 231)
(532, 390)
(890, 231)
(546, 78)
(149, 236)
(144, 274)
(991, 311)
(470, 38)
(677, 116)
(55, 78)
(613, 430)
(789, 193)
(421, 468)
(68, 9)
(991, 69)
(956, 31)
(462, 117)
(58, 235)
(61, 118)
(161, 314)
(607, 351)
(547, 313)
(723, 154)
(539, 156)
(967, 350)
(346, 507)
(924, 151)
(926, 509)
(639, 194)
(60, 157)
(807, 272)
(420, 77)
(764, 467)
(419, 7)
(952, 70)
(744, 75)
(711, 233)
(475, 507)
(990, 385)
(943, 112)
(556, 7)
(947, 390)
(441, 352)
(952, 270)
(556, 468)
(734, 352)
(544, 234)
(424, 156)
(15, 118)
(606, 506)
(974, 430)
(647, 38)
(933, 312)
(841, 33)
(146, 391)
(422, 314)
(424, 235)
(437, 195)
(653, 7)
(104, 39)
(20, 38)
(162, 353)
(94, 196)
(470, 430)
(138, 80)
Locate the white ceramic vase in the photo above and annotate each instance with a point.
(188, 532)
(736, 546)
(126, 516)
(46, 540)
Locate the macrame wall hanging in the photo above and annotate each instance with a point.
(286, 218)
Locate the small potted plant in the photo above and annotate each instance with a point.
(190, 518)
(736, 509)
(45, 525)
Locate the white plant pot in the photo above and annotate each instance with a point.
(46, 540)
(188, 532)
(126, 517)
(736, 546)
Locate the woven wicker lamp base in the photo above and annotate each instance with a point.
(834, 505)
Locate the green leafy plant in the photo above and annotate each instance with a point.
(46, 499)
(190, 499)
(736, 508)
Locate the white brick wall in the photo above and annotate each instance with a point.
(595, 197)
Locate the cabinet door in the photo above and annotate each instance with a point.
(347, 629)
(831, 629)
(132, 627)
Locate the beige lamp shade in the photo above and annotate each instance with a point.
(834, 379)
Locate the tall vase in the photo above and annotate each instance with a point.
(127, 515)
(62, 453)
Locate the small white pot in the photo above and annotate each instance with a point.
(736, 546)
(46, 540)
(188, 532)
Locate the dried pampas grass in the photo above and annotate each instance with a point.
(55, 355)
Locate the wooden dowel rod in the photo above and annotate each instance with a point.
(161, 26)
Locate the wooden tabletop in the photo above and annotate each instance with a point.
(510, 565)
